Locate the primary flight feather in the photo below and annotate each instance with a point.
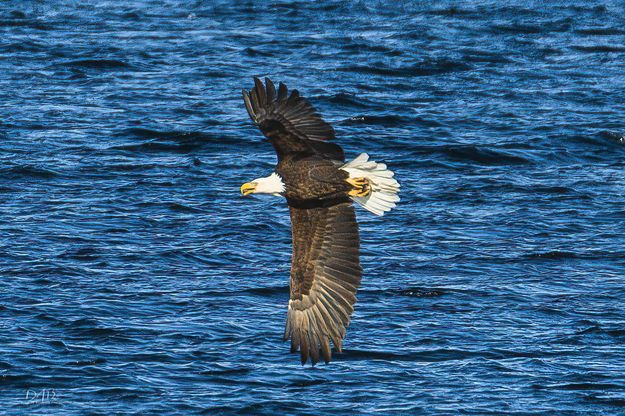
(319, 189)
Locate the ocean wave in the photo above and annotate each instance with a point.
(267, 291)
(27, 23)
(481, 155)
(598, 48)
(345, 99)
(553, 255)
(171, 140)
(612, 136)
(421, 292)
(27, 171)
(601, 31)
(424, 68)
(383, 120)
(97, 64)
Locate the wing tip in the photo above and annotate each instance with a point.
(248, 104)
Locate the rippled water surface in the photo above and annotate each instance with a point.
(134, 279)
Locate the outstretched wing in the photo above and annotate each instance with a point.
(290, 122)
(325, 274)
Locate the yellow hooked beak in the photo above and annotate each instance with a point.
(248, 188)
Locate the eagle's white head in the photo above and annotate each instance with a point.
(272, 184)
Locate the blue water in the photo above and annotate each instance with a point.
(134, 279)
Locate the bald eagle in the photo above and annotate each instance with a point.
(319, 188)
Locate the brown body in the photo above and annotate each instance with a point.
(311, 179)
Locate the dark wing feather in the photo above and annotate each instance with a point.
(328, 150)
(290, 122)
(325, 274)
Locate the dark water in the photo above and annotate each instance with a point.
(135, 279)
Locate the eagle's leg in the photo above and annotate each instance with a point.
(362, 187)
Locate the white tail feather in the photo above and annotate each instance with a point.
(384, 187)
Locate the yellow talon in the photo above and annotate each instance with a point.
(362, 187)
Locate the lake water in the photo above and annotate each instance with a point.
(134, 279)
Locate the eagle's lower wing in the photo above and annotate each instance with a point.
(325, 274)
(290, 122)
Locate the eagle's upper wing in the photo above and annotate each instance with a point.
(289, 121)
(325, 274)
